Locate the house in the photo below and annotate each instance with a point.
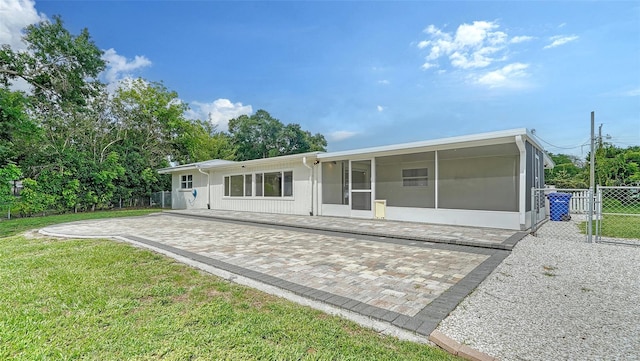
(480, 180)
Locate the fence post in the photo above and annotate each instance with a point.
(533, 215)
(598, 213)
(590, 216)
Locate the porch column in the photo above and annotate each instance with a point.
(522, 202)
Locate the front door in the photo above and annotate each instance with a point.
(361, 188)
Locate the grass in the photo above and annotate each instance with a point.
(99, 299)
(10, 227)
(617, 226)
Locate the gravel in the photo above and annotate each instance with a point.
(555, 299)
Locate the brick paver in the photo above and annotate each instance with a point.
(411, 284)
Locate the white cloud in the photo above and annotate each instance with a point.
(423, 44)
(384, 82)
(380, 108)
(560, 40)
(472, 46)
(218, 112)
(475, 45)
(118, 67)
(15, 15)
(506, 76)
(521, 39)
(427, 66)
(632, 93)
(341, 135)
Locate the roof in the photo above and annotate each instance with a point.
(499, 137)
(197, 165)
(218, 163)
(434, 144)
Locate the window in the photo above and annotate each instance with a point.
(272, 184)
(186, 181)
(288, 184)
(417, 177)
(236, 185)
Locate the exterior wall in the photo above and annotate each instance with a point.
(531, 165)
(184, 198)
(459, 217)
(299, 203)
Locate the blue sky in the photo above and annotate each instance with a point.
(374, 73)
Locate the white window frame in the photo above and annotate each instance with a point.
(186, 181)
(417, 179)
(257, 186)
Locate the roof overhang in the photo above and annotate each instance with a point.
(474, 140)
(222, 164)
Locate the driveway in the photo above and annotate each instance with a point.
(404, 283)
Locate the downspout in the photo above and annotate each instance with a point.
(304, 161)
(523, 182)
(208, 187)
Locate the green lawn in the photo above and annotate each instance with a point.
(10, 227)
(103, 300)
(617, 226)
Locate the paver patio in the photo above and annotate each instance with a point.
(409, 283)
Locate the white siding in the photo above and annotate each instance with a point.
(183, 198)
(300, 203)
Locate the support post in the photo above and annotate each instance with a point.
(592, 179)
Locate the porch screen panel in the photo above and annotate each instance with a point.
(361, 175)
(335, 182)
(361, 201)
(406, 180)
(479, 178)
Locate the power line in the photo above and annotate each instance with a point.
(559, 147)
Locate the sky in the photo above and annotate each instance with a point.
(369, 73)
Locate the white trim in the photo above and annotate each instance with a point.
(435, 184)
(505, 136)
(522, 189)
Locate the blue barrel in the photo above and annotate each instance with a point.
(559, 206)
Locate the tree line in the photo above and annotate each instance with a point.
(77, 146)
(614, 166)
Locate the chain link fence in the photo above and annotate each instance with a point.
(610, 214)
(157, 199)
(618, 215)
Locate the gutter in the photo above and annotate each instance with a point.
(208, 187)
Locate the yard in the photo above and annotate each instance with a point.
(99, 299)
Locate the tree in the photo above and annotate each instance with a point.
(568, 172)
(8, 174)
(18, 132)
(262, 136)
(617, 166)
(62, 68)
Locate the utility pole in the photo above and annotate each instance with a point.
(592, 177)
(600, 136)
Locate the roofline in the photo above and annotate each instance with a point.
(254, 162)
(227, 164)
(190, 166)
(433, 143)
(499, 137)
